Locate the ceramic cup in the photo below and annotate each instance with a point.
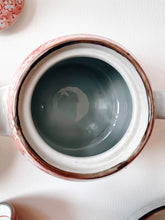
(7, 212)
(10, 12)
(80, 107)
(153, 211)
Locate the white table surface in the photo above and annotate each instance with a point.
(139, 25)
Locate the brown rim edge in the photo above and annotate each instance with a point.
(107, 43)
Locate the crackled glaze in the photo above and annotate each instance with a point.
(10, 11)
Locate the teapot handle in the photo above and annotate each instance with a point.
(159, 101)
(4, 125)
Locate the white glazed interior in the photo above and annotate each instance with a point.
(125, 148)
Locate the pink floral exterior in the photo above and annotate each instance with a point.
(10, 11)
(13, 89)
(15, 129)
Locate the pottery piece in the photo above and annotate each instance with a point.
(10, 11)
(80, 107)
(7, 212)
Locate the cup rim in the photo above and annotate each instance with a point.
(27, 65)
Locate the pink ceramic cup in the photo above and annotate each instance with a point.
(10, 11)
(99, 113)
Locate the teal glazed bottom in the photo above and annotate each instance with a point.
(81, 106)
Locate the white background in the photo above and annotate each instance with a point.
(139, 25)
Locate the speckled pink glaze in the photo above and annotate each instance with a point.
(15, 129)
(10, 11)
(13, 90)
